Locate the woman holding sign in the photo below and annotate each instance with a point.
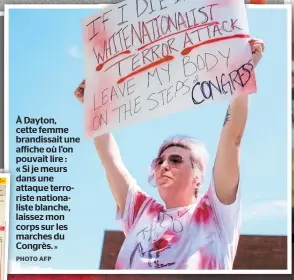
(186, 233)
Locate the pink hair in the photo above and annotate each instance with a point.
(199, 156)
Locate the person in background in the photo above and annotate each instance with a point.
(187, 232)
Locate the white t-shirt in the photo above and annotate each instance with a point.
(204, 235)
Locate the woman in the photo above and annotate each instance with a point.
(186, 233)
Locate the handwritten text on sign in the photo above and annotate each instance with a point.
(149, 58)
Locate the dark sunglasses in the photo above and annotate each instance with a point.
(173, 160)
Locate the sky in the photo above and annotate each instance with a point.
(45, 67)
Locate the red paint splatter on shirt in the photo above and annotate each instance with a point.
(211, 263)
(169, 237)
(203, 211)
(140, 199)
(118, 265)
(160, 244)
(207, 260)
(155, 209)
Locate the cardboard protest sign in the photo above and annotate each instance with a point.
(149, 58)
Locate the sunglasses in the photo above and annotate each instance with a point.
(173, 160)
